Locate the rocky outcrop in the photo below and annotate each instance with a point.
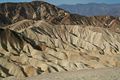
(21, 25)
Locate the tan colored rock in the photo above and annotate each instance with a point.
(30, 71)
(46, 48)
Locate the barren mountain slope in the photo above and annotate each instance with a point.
(38, 10)
(34, 40)
(47, 48)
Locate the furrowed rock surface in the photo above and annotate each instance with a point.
(38, 10)
(45, 48)
(38, 38)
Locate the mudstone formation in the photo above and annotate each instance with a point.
(38, 38)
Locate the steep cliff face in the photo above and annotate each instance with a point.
(37, 10)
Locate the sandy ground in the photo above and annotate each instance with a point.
(92, 74)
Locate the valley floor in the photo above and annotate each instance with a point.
(91, 74)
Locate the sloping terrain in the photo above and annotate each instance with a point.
(92, 74)
(30, 47)
(37, 10)
(46, 48)
(87, 74)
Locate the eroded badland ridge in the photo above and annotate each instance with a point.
(37, 38)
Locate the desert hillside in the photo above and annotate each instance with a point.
(55, 40)
(38, 10)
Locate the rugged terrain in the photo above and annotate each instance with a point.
(37, 10)
(30, 47)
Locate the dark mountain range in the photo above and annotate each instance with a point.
(93, 9)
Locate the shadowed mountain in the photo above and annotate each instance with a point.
(37, 10)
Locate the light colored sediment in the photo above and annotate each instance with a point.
(47, 48)
(91, 74)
